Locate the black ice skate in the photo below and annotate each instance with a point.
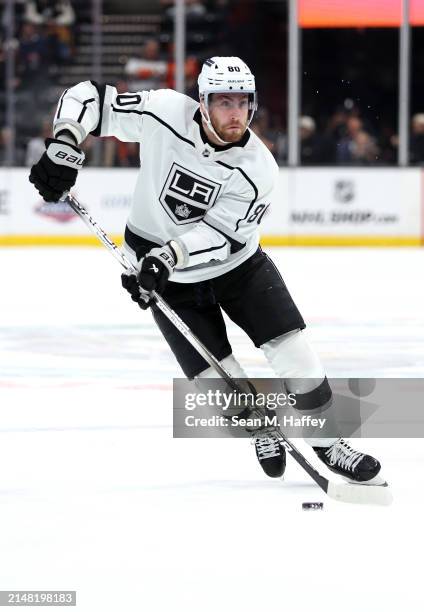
(353, 465)
(271, 455)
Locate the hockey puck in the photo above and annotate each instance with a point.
(312, 506)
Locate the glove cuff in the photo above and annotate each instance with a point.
(180, 253)
(66, 136)
(64, 154)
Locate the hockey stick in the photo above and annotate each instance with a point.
(353, 493)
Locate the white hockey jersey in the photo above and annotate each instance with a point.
(208, 198)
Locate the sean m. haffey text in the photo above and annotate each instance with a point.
(227, 400)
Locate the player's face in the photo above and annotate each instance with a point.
(229, 114)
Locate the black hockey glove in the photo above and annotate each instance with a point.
(156, 267)
(57, 169)
(154, 272)
(131, 284)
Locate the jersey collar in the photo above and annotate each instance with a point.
(243, 140)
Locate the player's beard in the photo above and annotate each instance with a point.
(231, 135)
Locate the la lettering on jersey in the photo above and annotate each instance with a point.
(186, 196)
(211, 199)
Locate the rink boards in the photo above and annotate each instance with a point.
(311, 207)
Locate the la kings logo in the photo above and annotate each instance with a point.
(186, 196)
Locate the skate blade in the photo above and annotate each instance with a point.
(379, 495)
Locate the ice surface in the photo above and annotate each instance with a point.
(96, 496)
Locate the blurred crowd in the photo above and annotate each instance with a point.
(345, 140)
(43, 43)
(44, 39)
(46, 42)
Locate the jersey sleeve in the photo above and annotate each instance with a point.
(231, 224)
(88, 108)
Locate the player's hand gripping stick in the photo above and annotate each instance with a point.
(57, 169)
(155, 269)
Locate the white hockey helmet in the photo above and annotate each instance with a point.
(226, 75)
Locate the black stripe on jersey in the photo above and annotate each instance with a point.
(209, 62)
(60, 104)
(235, 246)
(210, 249)
(102, 92)
(123, 110)
(255, 189)
(84, 108)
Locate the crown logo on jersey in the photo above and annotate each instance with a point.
(182, 210)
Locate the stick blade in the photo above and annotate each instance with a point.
(379, 495)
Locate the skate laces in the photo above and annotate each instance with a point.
(345, 456)
(267, 448)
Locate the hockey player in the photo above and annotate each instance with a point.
(204, 185)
